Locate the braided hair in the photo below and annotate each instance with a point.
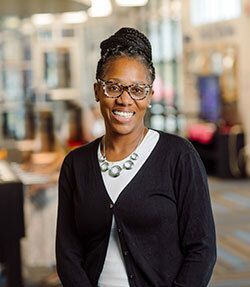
(126, 42)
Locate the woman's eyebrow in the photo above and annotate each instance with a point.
(120, 81)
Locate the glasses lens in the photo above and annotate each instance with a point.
(113, 89)
(138, 91)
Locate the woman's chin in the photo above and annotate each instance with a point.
(121, 129)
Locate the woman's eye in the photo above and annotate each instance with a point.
(137, 90)
(114, 88)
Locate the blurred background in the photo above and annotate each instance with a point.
(48, 55)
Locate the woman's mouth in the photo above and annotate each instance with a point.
(122, 117)
(123, 114)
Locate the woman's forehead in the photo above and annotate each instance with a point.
(126, 67)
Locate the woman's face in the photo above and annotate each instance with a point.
(124, 115)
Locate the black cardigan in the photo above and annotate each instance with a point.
(163, 217)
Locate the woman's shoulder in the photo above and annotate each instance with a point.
(179, 149)
(82, 152)
(175, 143)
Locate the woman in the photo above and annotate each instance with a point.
(134, 207)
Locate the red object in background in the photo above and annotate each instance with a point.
(75, 143)
(202, 132)
(225, 130)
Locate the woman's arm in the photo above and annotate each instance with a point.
(196, 224)
(69, 250)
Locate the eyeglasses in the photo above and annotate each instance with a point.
(115, 90)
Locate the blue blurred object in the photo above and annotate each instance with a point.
(209, 93)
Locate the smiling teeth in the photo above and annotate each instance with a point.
(126, 115)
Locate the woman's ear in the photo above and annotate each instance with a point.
(96, 92)
(150, 97)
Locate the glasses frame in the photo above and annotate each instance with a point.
(103, 83)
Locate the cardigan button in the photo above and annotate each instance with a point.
(131, 276)
(125, 252)
(111, 205)
(119, 230)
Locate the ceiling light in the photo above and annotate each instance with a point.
(131, 3)
(74, 17)
(100, 8)
(42, 19)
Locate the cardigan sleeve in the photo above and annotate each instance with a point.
(196, 224)
(69, 250)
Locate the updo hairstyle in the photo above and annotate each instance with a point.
(126, 42)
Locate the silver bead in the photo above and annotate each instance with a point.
(104, 166)
(115, 171)
(102, 159)
(134, 156)
(128, 164)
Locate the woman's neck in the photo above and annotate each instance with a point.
(118, 147)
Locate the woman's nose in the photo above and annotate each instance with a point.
(125, 98)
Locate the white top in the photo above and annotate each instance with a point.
(114, 272)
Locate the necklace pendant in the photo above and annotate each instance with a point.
(128, 164)
(134, 156)
(115, 171)
(104, 166)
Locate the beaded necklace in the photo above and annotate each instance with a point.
(116, 169)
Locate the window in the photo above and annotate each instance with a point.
(210, 11)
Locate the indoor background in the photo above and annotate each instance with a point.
(48, 55)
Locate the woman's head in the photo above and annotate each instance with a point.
(124, 81)
(127, 42)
